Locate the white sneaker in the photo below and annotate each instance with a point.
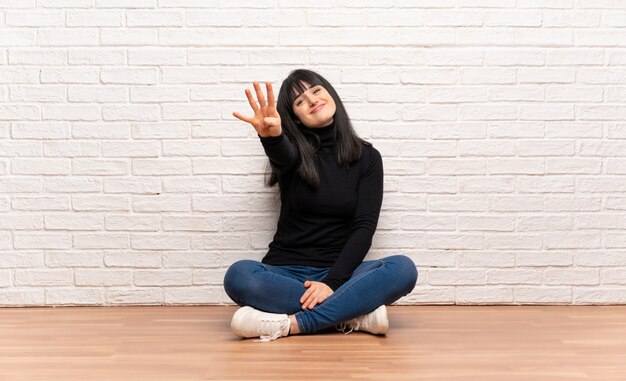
(250, 322)
(375, 322)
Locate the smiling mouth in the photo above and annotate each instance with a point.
(318, 108)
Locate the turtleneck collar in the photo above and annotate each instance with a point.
(326, 134)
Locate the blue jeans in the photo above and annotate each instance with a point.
(278, 289)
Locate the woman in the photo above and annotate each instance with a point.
(331, 189)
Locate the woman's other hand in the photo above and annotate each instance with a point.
(266, 120)
(317, 292)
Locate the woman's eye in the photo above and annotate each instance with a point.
(314, 91)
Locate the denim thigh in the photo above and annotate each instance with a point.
(270, 288)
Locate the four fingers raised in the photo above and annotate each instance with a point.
(261, 97)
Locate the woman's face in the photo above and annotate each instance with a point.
(315, 107)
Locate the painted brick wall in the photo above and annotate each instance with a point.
(125, 179)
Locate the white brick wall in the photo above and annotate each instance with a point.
(125, 179)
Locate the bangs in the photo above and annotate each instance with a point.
(298, 87)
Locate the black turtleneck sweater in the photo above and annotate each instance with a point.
(331, 226)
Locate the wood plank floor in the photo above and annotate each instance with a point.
(464, 343)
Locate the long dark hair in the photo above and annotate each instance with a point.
(348, 145)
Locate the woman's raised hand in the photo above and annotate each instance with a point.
(265, 120)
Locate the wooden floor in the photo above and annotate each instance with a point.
(464, 343)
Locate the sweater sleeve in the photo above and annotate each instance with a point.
(370, 197)
(282, 153)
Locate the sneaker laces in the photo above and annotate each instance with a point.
(272, 329)
(353, 324)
